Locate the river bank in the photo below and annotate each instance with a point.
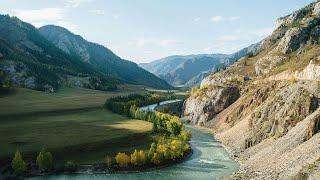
(208, 160)
(102, 169)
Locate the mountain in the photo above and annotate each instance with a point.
(28, 59)
(100, 57)
(265, 107)
(190, 70)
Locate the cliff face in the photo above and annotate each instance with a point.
(268, 112)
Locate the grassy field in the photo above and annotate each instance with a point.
(25, 101)
(71, 123)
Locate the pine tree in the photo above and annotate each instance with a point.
(19, 166)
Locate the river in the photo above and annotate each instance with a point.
(209, 161)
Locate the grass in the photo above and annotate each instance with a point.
(25, 101)
(70, 123)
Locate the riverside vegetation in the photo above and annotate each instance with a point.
(170, 142)
(172, 139)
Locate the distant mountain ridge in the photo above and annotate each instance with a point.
(191, 69)
(100, 57)
(32, 60)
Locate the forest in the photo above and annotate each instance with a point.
(172, 140)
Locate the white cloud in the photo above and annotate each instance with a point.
(45, 16)
(234, 18)
(196, 19)
(98, 11)
(216, 19)
(76, 3)
(40, 15)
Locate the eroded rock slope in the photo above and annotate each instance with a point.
(265, 108)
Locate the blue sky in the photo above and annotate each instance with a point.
(145, 30)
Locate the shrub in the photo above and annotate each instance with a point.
(293, 80)
(44, 160)
(185, 135)
(18, 165)
(122, 159)
(70, 166)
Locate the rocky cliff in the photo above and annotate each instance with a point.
(265, 108)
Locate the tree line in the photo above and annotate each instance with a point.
(172, 141)
(122, 104)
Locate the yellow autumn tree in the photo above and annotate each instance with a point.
(138, 158)
(176, 148)
(122, 159)
(143, 157)
(135, 159)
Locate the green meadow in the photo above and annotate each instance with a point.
(70, 123)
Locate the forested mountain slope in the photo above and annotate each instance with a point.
(28, 59)
(100, 57)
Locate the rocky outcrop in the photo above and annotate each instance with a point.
(316, 10)
(18, 74)
(205, 104)
(293, 40)
(309, 73)
(267, 63)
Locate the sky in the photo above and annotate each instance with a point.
(146, 30)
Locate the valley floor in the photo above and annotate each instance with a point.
(70, 123)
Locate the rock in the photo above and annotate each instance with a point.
(293, 40)
(201, 108)
(268, 62)
(309, 73)
(315, 33)
(49, 88)
(316, 9)
(29, 82)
